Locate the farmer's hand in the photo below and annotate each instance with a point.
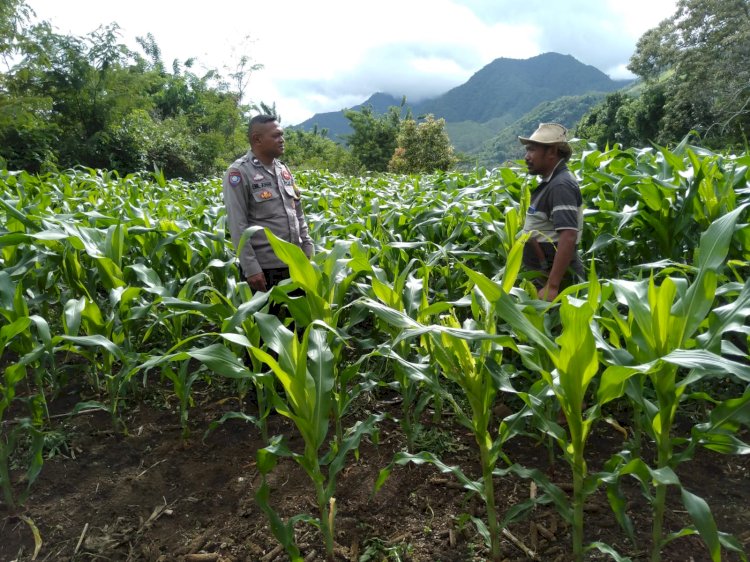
(549, 293)
(257, 282)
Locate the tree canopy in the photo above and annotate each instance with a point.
(695, 78)
(67, 101)
(374, 138)
(422, 148)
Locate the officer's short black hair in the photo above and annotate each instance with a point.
(261, 119)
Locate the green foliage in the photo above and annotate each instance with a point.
(374, 137)
(626, 120)
(416, 289)
(315, 151)
(91, 101)
(422, 148)
(14, 17)
(698, 59)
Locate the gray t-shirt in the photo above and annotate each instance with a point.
(555, 205)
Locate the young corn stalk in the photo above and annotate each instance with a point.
(662, 340)
(326, 281)
(416, 381)
(476, 370)
(576, 363)
(14, 430)
(305, 369)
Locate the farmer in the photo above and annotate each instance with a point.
(555, 216)
(259, 190)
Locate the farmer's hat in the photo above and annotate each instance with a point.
(549, 134)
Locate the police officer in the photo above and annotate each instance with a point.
(260, 190)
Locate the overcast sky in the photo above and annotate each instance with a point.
(331, 54)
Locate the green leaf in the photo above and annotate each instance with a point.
(708, 362)
(510, 313)
(714, 246)
(491, 290)
(94, 341)
(301, 270)
(704, 522)
(221, 360)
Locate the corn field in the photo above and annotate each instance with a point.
(128, 287)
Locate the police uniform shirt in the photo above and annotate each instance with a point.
(266, 197)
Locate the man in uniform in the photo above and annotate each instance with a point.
(259, 190)
(555, 215)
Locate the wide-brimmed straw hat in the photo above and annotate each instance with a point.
(547, 133)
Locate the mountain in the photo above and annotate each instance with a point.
(495, 97)
(508, 88)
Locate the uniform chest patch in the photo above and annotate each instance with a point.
(235, 178)
(257, 177)
(266, 195)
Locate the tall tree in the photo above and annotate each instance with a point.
(620, 118)
(423, 147)
(374, 138)
(14, 17)
(700, 54)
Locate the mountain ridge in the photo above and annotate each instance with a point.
(498, 94)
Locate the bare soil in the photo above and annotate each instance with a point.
(152, 496)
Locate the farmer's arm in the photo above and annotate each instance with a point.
(566, 248)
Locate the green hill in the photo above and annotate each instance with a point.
(567, 111)
(498, 102)
(509, 88)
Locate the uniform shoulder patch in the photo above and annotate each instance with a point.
(285, 174)
(235, 178)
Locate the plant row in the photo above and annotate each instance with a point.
(416, 286)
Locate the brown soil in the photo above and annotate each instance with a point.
(152, 496)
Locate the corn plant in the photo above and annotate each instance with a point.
(31, 425)
(575, 361)
(326, 282)
(660, 337)
(305, 370)
(414, 377)
(471, 357)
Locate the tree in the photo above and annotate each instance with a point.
(624, 119)
(14, 17)
(422, 148)
(91, 101)
(699, 57)
(374, 138)
(314, 151)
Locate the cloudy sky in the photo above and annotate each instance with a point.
(327, 55)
